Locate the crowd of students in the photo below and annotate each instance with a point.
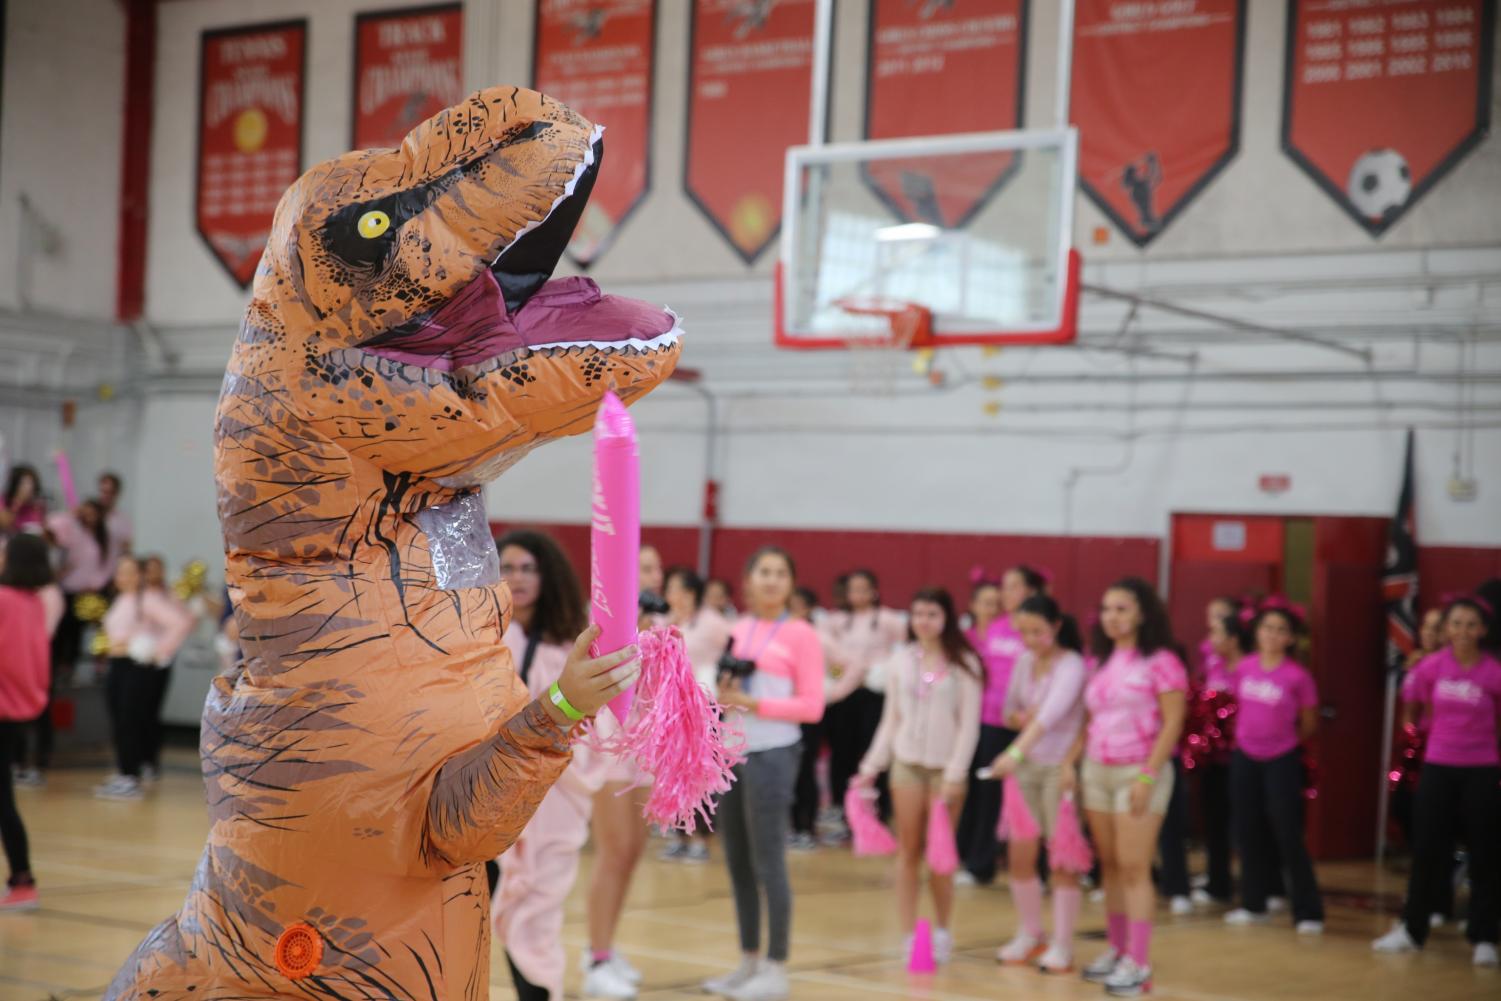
(923, 710)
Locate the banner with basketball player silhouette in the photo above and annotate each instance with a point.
(249, 137)
(1381, 102)
(597, 59)
(918, 56)
(1156, 98)
(750, 72)
(408, 66)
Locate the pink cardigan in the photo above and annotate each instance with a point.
(148, 617)
(929, 719)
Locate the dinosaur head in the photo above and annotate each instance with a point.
(404, 309)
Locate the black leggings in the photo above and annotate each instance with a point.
(975, 831)
(1172, 838)
(851, 726)
(12, 831)
(130, 691)
(1267, 800)
(805, 798)
(1456, 802)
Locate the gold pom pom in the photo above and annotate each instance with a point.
(90, 607)
(100, 646)
(191, 583)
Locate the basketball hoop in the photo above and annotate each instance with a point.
(876, 359)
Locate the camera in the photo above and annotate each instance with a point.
(732, 667)
(652, 603)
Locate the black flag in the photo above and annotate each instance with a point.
(1399, 577)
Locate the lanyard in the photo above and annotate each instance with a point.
(751, 635)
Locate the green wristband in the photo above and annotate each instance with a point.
(1015, 752)
(561, 701)
(1147, 779)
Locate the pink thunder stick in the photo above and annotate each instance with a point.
(677, 733)
(615, 535)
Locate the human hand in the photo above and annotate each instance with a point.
(1141, 798)
(1003, 766)
(735, 697)
(588, 683)
(953, 796)
(1068, 780)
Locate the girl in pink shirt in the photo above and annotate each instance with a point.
(1135, 705)
(1045, 704)
(144, 630)
(776, 685)
(22, 509)
(1459, 790)
(993, 604)
(1278, 710)
(24, 685)
(531, 881)
(929, 726)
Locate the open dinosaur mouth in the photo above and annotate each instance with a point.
(515, 307)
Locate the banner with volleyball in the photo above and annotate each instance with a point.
(408, 66)
(250, 99)
(1156, 98)
(1381, 100)
(750, 70)
(918, 56)
(597, 59)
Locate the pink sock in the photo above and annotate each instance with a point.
(1116, 925)
(1141, 941)
(1066, 900)
(1028, 896)
(600, 956)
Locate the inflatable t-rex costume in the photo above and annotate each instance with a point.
(403, 346)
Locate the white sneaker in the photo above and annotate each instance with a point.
(965, 878)
(1102, 966)
(1276, 905)
(1309, 927)
(1241, 917)
(802, 842)
(698, 851)
(605, 981)
(121, 787)
(29, 778)
(1056, 960)
(1023, 948)
(1435, 921)
(768, 983)
(1485, 954)
(1129, 980)
(625, 969)
(1396, 940)
(726, 982)
(1097, 896)
(1180, 906)
(943, 946)
(150, 773)
(1200, 897)
(676, 851)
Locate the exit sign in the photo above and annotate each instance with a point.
(1275, 483)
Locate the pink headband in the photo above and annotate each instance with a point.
(1453, 596)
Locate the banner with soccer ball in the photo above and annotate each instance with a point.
(1382, 99)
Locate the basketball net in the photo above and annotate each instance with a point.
(877, 359)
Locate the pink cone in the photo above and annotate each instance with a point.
(942, 852)
(868, 836)
(1068, 850)
(1017, 822)
(921, 959)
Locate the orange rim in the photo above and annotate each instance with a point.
(299, 949)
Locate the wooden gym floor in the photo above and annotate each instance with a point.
(109, 871)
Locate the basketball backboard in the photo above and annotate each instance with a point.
(976, 229)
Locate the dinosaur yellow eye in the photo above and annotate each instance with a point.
(374, 223)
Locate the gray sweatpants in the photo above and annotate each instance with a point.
(753, 820)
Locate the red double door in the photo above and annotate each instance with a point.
(1332, 566)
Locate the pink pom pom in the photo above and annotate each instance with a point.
(1017, 822)
(868, 836)
(676, 733)
(942, 852)
(1068, 850)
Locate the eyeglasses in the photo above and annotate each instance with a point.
(524, 570)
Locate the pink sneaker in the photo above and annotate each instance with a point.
(20, 898)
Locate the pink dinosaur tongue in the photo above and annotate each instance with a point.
(474, 326)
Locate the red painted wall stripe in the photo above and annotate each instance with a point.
(135, 158)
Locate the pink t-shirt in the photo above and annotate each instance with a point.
(1464, 705)
(787, 682)
(24, 654)
(1266, 722)
(1124, 715)
(84, 564)
(998, 648)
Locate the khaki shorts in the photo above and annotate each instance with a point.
(1107, 788)
(906, 774)
(1039, 787)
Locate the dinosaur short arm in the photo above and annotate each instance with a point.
(484, 796)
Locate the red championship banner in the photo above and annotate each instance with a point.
(937, 69)
(750, 70)
(249, 137)
(1383, 97)
(596, 57)
(408, 66)
(1156, 98)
